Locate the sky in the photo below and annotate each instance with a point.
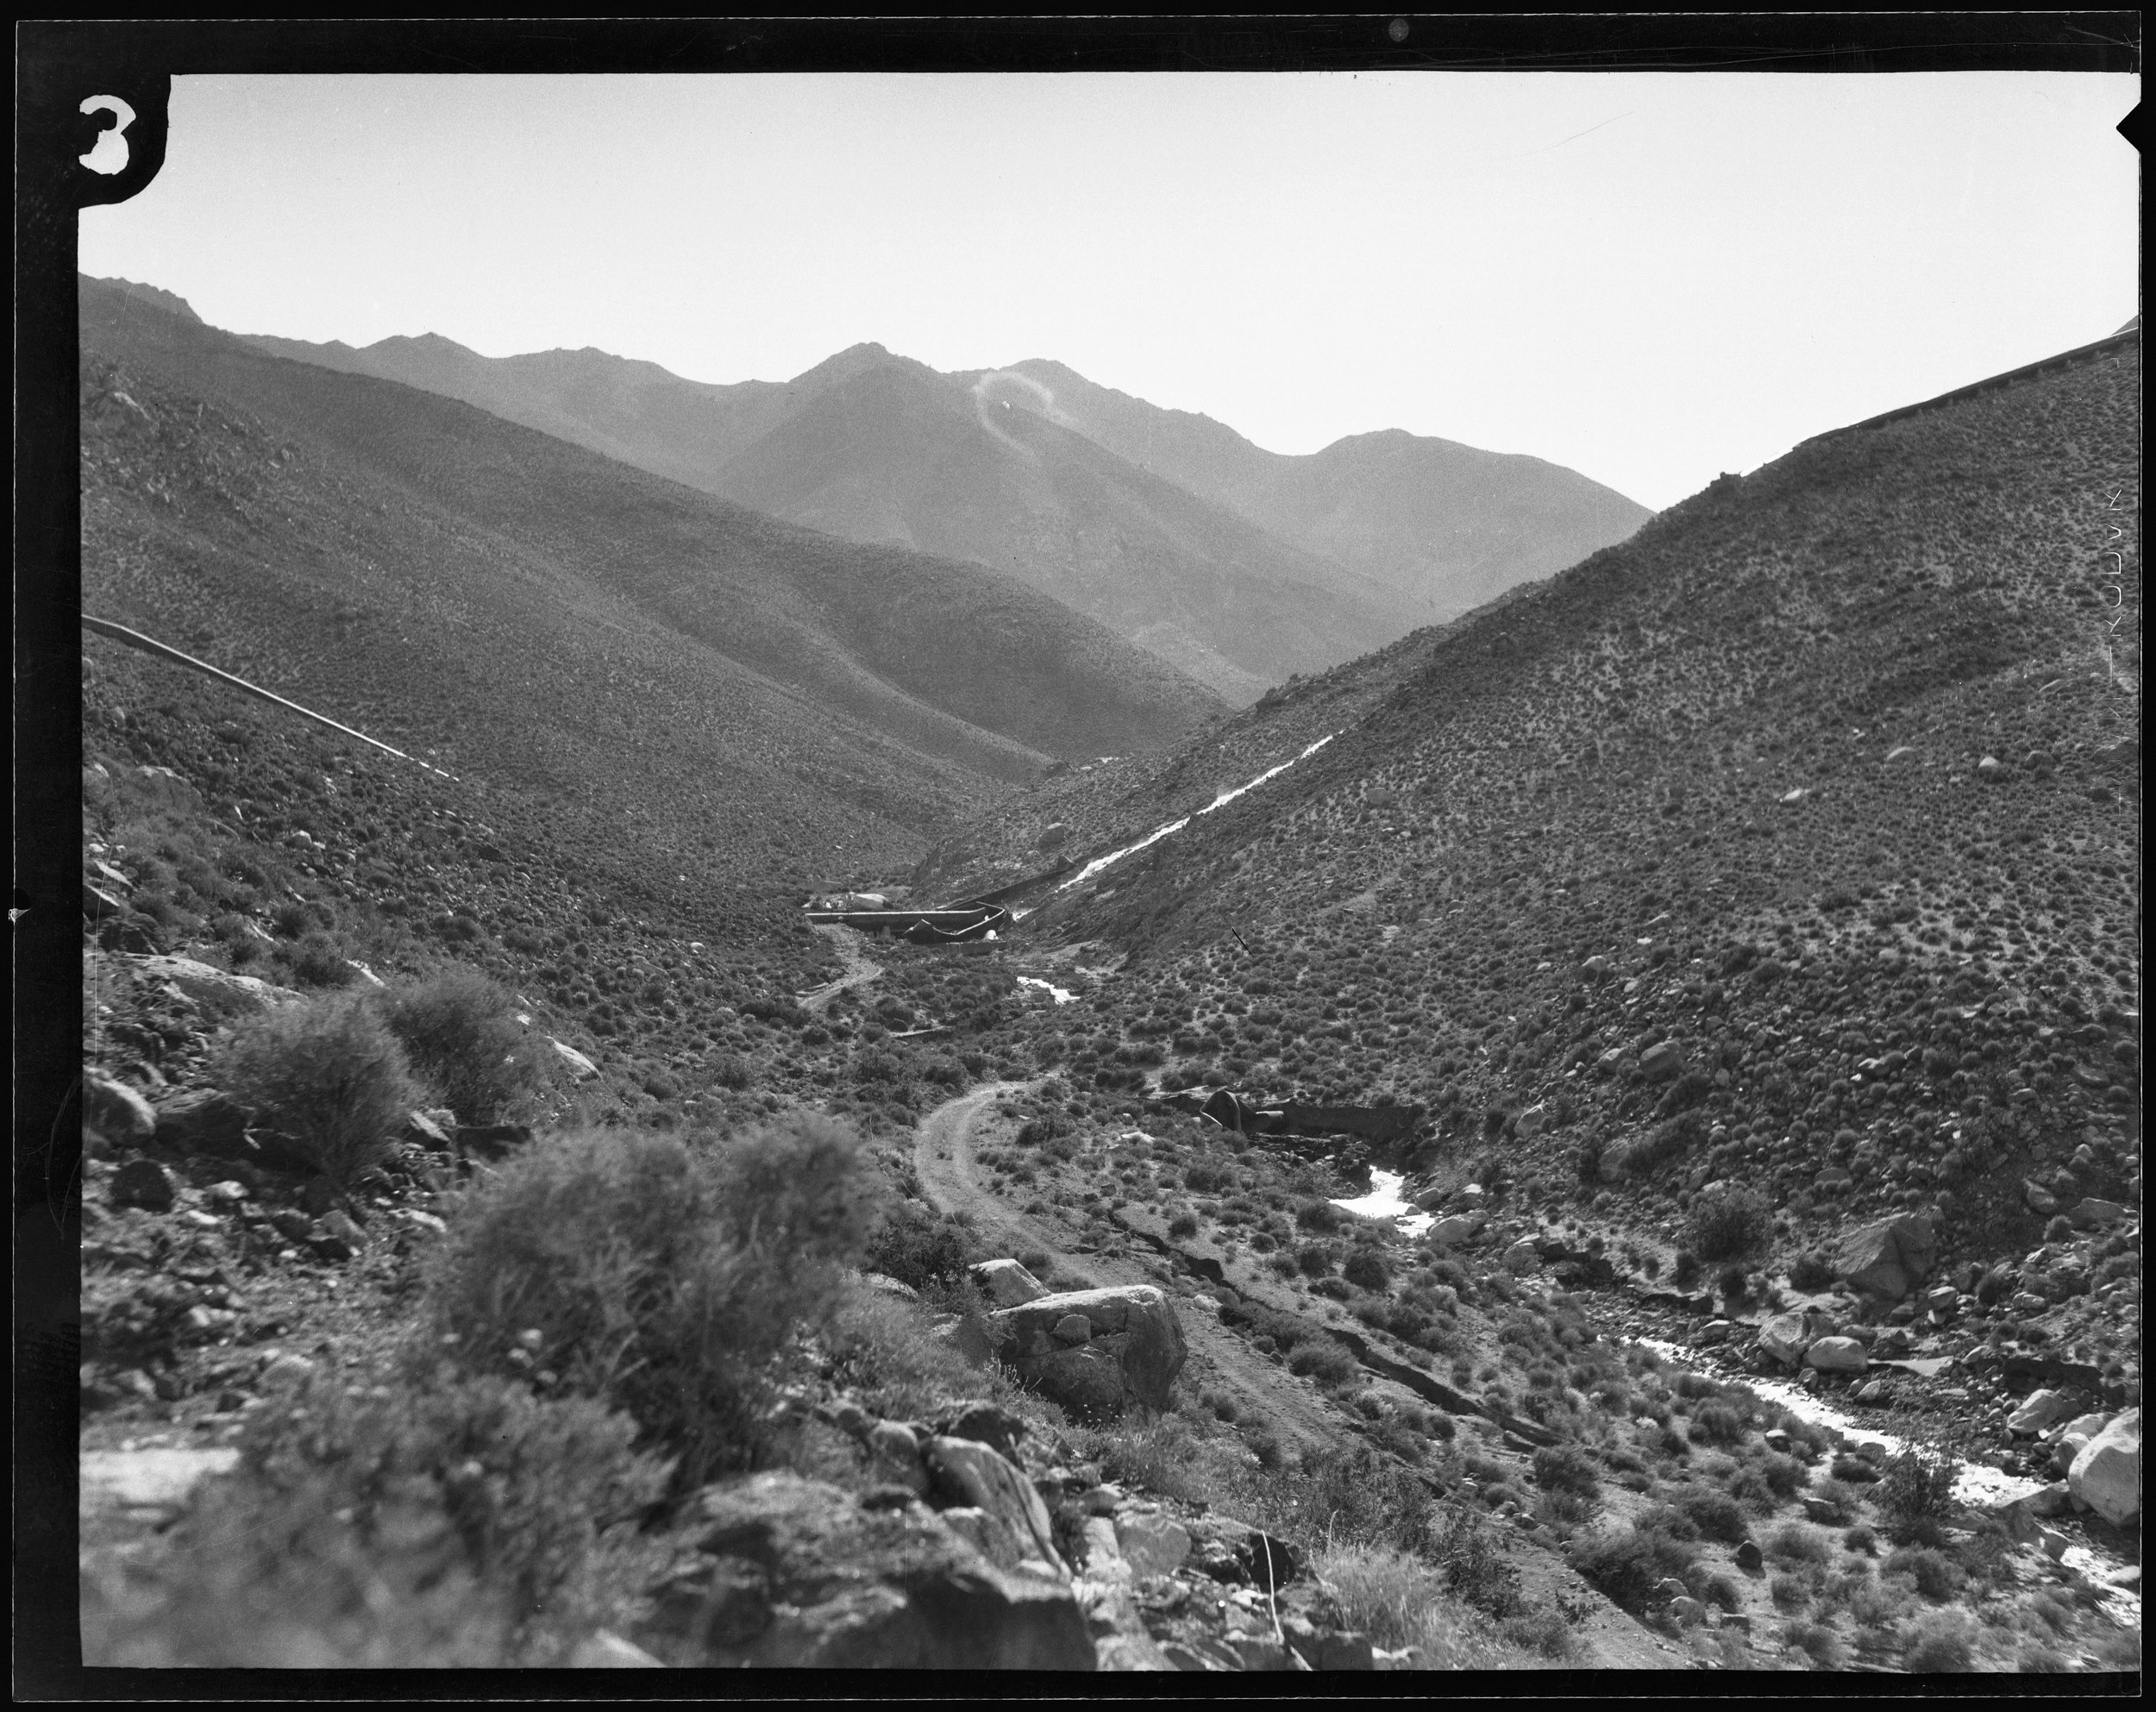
(1648, 278)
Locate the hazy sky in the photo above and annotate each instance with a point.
(1650, 278)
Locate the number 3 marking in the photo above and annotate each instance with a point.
(109, 155)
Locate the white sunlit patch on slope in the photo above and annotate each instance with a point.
(1159, 832)
(1061, 995)
(1384, 1201)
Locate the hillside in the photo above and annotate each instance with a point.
(1440, 526)
(1792, 842)
(524, 610)
(1239, 566)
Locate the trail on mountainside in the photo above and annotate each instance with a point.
(860, 971)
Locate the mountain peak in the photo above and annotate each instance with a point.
(170, 302)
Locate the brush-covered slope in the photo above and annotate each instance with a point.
(518, 604)
(1442, 527)
(1828, 780)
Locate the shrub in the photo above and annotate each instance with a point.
(656, 1273)
(1473, 1563)
(1730, 1223)
(1818, 1643)
(1323, 1361)
(1183, 1224)
(1794, 1543)
(326, 1073)
(1936, 1576)
(1716, 1514)
(1811, 1271)
(1563, 1468)
(1941, 1640)
(1790, 1593)
(460, 1033)
(1626, 1566)
(916, 1250)
(1914, 1494)
(1719, 1423)
(1366, 1269)
(444, 1521)
(1686, 1270)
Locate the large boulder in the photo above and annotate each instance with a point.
(791, 1571)
(1836, 1354)
(1007, 1283)
(1889, 1258)
(116, 1111)
(973, 1473)
(2107, 1475)
(1786, 1337)
(1136, 1350)
(2040, 1409)
(217, 992)
(1662, 1062)
(1459, 1227)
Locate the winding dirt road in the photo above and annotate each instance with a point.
(944, 1157)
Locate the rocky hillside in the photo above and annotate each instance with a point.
(522, 608)
(1238, 566)
(1793, 844)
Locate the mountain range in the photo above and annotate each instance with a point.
(452, 581)
(1242, 566)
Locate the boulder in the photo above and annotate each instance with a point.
(792, 1571)
(1007, 1283)
(1152, 1545)
(989, 1424)
(2107, 1475)
(1836, 1354)
(2040, 1409)
(2073, 1438)
(894, 1457)
(1662, 1062)
(1135, 1353)
(1459, 1227)
(116, 1111)
(580, 1069)
(1783, 1336)
(1073, 1329)
(1532, 1122)
(219, 992)
(1326, 1649)
(1889, 1258)
(884, 1284)
(141, 1183)
(1749, 1556)
(971, 1471)
(2091, 1212)
(1523, 1256)
(1992, 770)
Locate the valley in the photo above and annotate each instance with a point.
(511, 1234)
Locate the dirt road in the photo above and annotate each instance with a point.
(1219, 1361)
(859, 970)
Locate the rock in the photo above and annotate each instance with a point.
(1103, 1555)
(894, 1457)
(987, 1534)
(219, 992)
(1662, 1062)
(1836, 1354)
(1532, 1122)
(2053, 1500)
(966, 1334)
(1687, 1611)
(1712, 1333)
(151, 1482)
(284, 1369)
(1459, 1227)
(2040, 1410)
(580, 1069)
(1007, 1283)
(1324, 1649)
(885, 1285)
(1992, 771)
(985, 1480)
(2038, 1198)
(2073, 1438)
(1889, 1258)
(1749, 1556)
(606, 1650)
(1523, 1256)
(1152, 1545)
(116, 1111)
(1073, 1329)
(143, 1183)
(1136, 1349)
(814, 1579)
(1265, 1563)
(337, 1223)
(2090, 1213)
(989, 1424)
(1874, 1391)
(204, 1121)
(1783, 1336)
(2107, 1475)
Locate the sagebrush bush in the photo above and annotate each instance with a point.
(1627, 1565)
(1730, 1223)
(1941, 1640)
(658, 1273)
(920, 1250)
(327, 1074)
(459, 1031)
(1936, 1576)
(435, 1520)
(1563, 1468)
(1915, 1494)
